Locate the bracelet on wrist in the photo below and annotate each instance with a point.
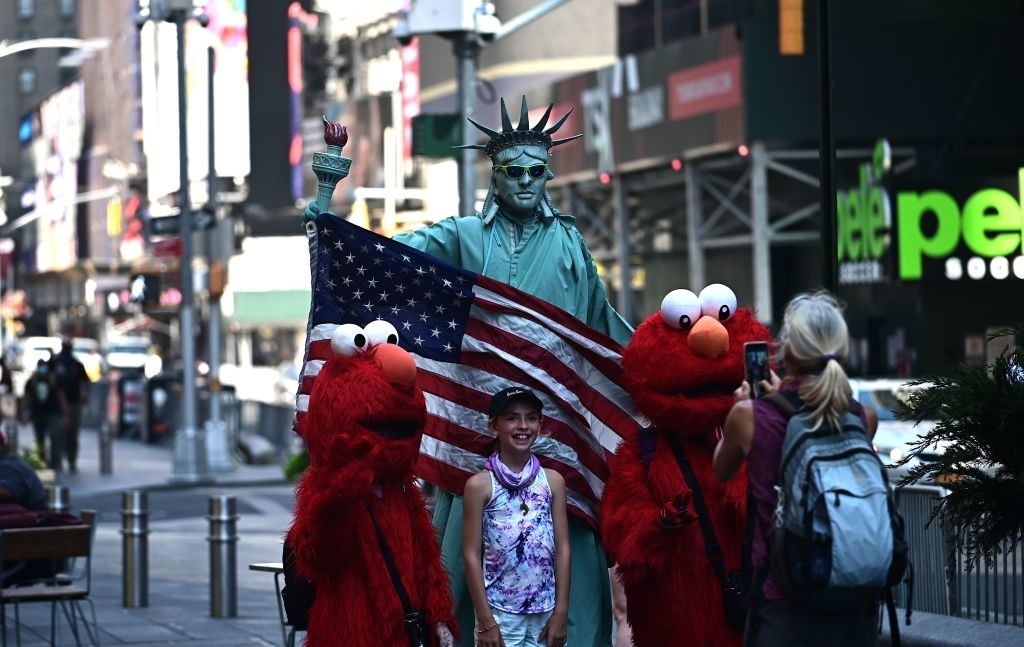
(486, 629)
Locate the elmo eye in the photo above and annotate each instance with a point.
(680, 309)
(380, 332)
(718, 301)
(348, 340)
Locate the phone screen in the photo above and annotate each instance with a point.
(758, 367)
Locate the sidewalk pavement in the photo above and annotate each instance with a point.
(179, 609)
(179, 590)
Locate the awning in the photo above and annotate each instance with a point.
(278, 308)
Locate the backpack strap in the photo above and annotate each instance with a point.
(646, 445)
(711, 546)
(389, 561)
(894, 623)
(789, 403)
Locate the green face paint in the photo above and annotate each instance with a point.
(520, 196)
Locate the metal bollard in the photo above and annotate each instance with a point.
(106, 450)
(135, 548)
(58, 497)
(223, 560)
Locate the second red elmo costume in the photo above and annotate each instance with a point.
(681, 368)
(362, 430)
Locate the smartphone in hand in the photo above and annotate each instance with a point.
(757, 365)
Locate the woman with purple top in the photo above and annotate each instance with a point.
(516, 534)
(813, 343)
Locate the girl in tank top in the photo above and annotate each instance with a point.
(515, 534)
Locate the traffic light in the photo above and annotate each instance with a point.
(315, 61)
(344, 58)
(791, 27)
(145, 289)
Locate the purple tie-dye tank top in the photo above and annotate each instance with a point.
(519, 548)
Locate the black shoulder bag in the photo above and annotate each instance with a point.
(734, 596)
(415, 621)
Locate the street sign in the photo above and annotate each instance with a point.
(433, 135)
(203, 219)
(169, 225)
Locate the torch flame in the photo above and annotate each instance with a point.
(334, 133)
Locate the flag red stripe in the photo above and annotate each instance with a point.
(608, 366)
(547, 310)
(478, 441)
(593, 400)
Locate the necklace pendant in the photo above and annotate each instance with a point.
(525, 508)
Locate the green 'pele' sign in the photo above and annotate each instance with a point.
(983, 238)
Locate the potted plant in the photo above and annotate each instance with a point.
(35, 460)
(980, 412)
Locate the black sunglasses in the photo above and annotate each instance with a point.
(515, 171)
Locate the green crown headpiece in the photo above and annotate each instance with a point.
(521, 135)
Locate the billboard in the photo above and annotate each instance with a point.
(53, 134)
(227, 35)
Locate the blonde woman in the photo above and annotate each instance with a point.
(813, 343)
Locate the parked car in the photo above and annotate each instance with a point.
(127, 352)
(32, 349)
(894, 438)
(87, 351)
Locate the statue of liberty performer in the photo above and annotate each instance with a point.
(521, 239)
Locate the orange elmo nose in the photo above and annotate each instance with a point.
(397, 365)
(708, 338)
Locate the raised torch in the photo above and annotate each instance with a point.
(330, 166)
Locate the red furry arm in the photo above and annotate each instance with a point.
(630, 529)
(324, 529)
(431, 576)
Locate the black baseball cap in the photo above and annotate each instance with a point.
(503, 398)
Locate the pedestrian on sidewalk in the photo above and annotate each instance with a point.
(515, 510)
(73, 383)
(43, 408)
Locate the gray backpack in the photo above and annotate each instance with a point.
(837, 538)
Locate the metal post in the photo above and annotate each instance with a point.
(212, 249)
(135, 548)
(189, 441)
(106, 449)
(58, 497)
(218, 455)
(625, 301)
(760, 233)
(223, 562)
(465, 53)
(694, 220)
(826, 147)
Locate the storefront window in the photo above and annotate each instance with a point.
(26, 9)
(27, 80)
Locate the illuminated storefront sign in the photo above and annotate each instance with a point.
(979, 237)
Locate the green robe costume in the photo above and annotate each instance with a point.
(546, 256)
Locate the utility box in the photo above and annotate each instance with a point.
(438, 16)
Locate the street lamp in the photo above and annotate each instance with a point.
(190, 461)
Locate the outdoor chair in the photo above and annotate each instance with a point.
(60, 546)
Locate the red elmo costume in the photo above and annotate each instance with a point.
(681, 368)
(362, 430)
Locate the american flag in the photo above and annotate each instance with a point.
(472, 336)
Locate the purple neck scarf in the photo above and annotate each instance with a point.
(513, 480)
